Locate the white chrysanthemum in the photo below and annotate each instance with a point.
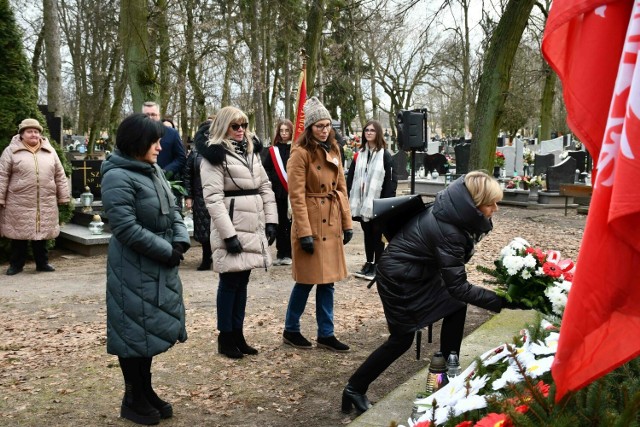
(539, 271)
(519, 243)
(513, 264)
(558, 299)
(529, 261)
(565, 285)
(507, 251)
(526, 274)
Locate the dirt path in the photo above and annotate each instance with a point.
(54, 369)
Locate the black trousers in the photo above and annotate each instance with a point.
(135, 368)
(397, 344)
(19, 252)
(283, 236)
(373, 245)
(206, 251)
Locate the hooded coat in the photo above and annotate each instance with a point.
(238, 196)
(145, 309)
(320, 208)
(193, 187)
(32, 185)
(421, 276)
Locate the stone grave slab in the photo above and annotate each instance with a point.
(463, 155)
(556, 144)
(399, 161)
(436, 162)
(541, 162)
(581, 159)
(86, 173)
(509, 152)
(562, 173)
(433, 147)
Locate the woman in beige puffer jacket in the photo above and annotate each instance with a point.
(32, 185)
(237, 193)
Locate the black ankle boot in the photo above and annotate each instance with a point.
(165, 408)
(136, 408)
(205, 265)
(351, 398)
(239, 341)
(227, 346)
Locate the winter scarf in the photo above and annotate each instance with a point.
(367, 183)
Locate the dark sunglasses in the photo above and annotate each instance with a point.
(236, 126)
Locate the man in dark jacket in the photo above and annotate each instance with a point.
(172, 158)
(421, 277)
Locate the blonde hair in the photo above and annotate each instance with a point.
(220, 127)
(484, 189)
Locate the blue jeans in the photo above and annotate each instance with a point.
(231, 301)
(324, 308)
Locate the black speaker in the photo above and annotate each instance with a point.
(411, 129)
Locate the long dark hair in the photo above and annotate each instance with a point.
(277, 139)
(306, 141)
(380, 143)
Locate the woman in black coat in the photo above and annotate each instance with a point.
(421, 277)
(194, 199)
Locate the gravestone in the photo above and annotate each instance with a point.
(557, 156)
(419, 160)
(399, 161)
(569, 142)
(435, 162)
(556, 144)
(433, 147)
(500, 142)
(85, 173)
(519, 166)
(541, 162)
(463, 155)
(581, 159)
(54, 124)
(509, 159)
(562, 173)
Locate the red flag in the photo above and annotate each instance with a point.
(298, 127)
(593, 46)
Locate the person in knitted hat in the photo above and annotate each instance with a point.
(321, 226)
(32, 185)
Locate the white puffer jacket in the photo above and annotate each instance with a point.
(238, 196)
(32, 185)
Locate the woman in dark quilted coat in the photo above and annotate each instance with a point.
(194, 199)
(421, 277)
(145, 309)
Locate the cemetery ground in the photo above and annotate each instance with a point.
(54, 369)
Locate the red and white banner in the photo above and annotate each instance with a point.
(298, 126)
(593, 46)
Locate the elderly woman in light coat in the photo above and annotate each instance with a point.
(321, 226)
(244, 219)
(32, 185)
(145, 308)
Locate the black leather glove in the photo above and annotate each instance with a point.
(307, 244)
(233, 245)
(513, 305)
(175, 258)
(182, 247)
(347, 236)
(271, 230)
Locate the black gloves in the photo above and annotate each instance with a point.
(233, 245)
(183, 247)
(513, 305)
(347, 235)
(175, 258)
(271, 230)
(307, 244)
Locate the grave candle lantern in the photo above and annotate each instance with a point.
(87, 199)
(96, 226)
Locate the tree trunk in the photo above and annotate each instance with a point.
(256, 63)
(494, 83)
(52, 51)
(315, 21)
(164, 65)
(138, 59)
(37, 54)
(546, 104)
(198, 95)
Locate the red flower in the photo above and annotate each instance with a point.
(540, 255)
(465, 424)
(568, 277)
(551, 269)
(495, 420)
(423, 424)
(522, 409)
(543, 388)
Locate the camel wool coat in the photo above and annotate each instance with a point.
(32, 185)
(320, 208)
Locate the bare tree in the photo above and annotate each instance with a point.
(52, 50)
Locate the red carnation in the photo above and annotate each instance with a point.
(465, 424)
(543, 388)
(423, 424)
(522, 409)
(495, 420)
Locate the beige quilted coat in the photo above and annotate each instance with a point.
(31, 187)
(242, 215)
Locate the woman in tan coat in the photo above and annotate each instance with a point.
(32, 185)
(321, 226)
(244, 219)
